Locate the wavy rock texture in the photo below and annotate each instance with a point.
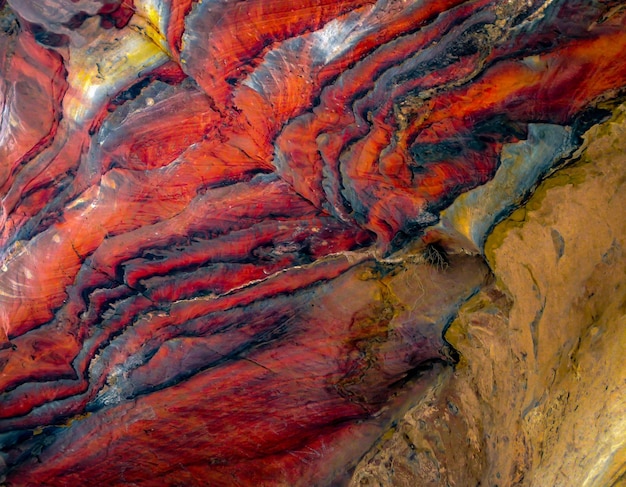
(539, 395)
(233, 234)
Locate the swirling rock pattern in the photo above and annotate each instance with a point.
(220, 251)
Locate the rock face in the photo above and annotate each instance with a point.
(539, 395)
(233, 235)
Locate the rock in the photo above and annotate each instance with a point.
(223, 258)
(539, 394)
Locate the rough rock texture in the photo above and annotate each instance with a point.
(223, 257)
(539, 396)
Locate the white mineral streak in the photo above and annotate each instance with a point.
(331, 41)
(112, 61)
(522, 165)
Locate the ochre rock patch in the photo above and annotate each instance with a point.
(539, 395)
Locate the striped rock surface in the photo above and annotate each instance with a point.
(222, 261)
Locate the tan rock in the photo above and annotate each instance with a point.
(539, 396)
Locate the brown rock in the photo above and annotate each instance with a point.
(539, 395)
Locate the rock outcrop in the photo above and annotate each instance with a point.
(539, 395)
(239, 239)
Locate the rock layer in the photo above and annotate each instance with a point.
(539, 395)
(221, 255)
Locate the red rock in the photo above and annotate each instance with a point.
(211, 255)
